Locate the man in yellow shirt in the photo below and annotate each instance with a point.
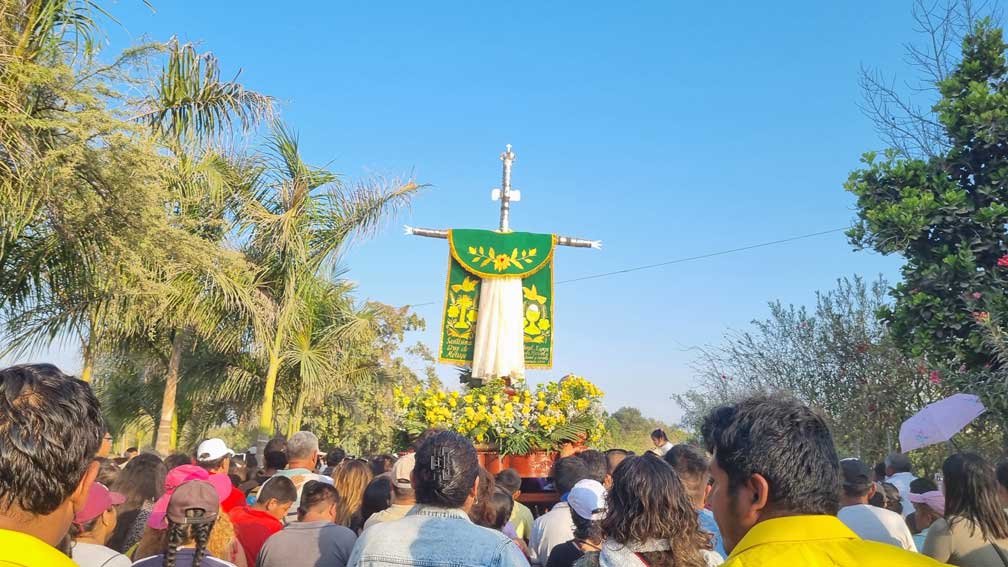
(776, 490)
(50, 431)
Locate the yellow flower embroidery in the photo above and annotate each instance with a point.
(501, 262)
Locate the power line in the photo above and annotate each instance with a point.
(682, 260)
(702, 256)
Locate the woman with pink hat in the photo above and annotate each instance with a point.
(189, 517)
(222, 542)
(92, 527)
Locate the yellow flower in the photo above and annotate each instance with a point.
(501, 262)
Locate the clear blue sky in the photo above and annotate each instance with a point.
(666, 129)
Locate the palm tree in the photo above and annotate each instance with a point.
(300, 221)
(191, 110)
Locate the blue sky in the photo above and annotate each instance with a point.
(666, 129)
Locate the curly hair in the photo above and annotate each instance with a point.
(50, 430)
(220, 542)
(350, 478)
(648, 502)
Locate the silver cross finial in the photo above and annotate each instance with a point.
(505, 194)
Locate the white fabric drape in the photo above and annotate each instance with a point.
(500, 348)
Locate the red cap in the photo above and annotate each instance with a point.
(99, 499)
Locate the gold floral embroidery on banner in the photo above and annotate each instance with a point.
(501, 260)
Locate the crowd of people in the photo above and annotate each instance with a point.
(766, 488)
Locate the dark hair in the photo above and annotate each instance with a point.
(922, 485)
(382, 464)
(500, 506)
(377, 496)
(971, 494)
(131, 450)
(783, 440)
(659, 434)
(880, 472)
(77, 530)
(176, 460)
(180, 534)
(335, 456)
(509, 480)
(1002, 473)
(141, 480)
(445, 471)
(586, 529)
(423, 437)
(238, 469)
(314, 493)
(280, 488)
(567, 472)
(212, 465)
(276, 460)
(892, 501)
(50, 429)
(108, 471)
(692, 466)
(857, 490)
(596, 464)
(276, 444)
(647, 501)
(614, 457)
(483, 512)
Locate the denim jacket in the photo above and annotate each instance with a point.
(430, 536)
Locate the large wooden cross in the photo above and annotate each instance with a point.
(506, 195)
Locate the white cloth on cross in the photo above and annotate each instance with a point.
(499, 348)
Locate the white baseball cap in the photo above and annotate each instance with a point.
(212, 449)
(588, 499)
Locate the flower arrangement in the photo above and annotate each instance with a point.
(515, 418)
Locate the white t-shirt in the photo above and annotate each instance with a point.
(877, 524)
(662, 449)
(550, 530)
(94, 555)
(901, 481)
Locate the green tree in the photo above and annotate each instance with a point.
(301, 219)
(838, 357)
(628, 429)
(946, 214)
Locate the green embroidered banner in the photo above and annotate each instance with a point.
(478, 254)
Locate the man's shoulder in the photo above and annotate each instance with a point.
(17, 549)
(834, 553)
(337, 532)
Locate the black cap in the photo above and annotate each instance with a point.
(855, 473)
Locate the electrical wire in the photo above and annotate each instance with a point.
(680, 260)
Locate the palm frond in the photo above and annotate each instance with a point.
(192, 103)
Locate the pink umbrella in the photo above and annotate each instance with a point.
(939, 421)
